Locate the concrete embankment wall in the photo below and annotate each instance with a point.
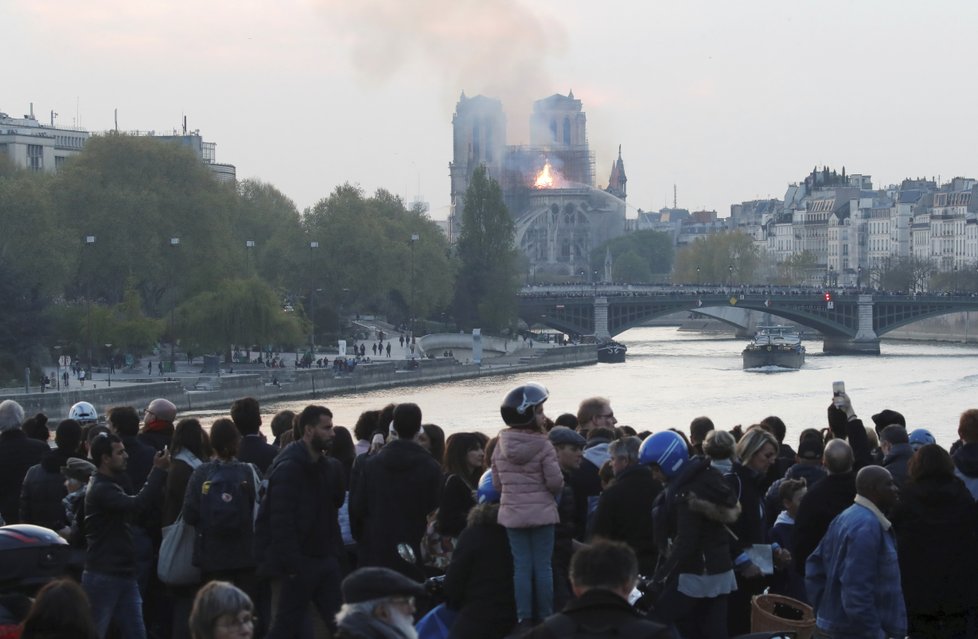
(304, 383)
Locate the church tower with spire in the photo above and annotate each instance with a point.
(617, 181)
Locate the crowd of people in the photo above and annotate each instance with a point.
(546, 530)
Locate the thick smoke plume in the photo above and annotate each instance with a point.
(500, 48)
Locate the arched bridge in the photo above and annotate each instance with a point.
(850, 321)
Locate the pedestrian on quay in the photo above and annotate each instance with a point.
(526, 472)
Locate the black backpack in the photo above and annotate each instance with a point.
(227, 501)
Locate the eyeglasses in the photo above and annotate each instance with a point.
(241, 622)
(607, 415)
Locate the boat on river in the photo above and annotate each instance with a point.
(778, 346)
(611, 352)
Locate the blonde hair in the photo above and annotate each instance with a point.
(752, 441)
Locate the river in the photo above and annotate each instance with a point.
(671, 377)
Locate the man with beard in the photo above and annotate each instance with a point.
(297, 534)
(109, 578)
(379, 604)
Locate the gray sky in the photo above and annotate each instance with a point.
(728, 100)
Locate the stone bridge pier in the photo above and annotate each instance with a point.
(865, 341)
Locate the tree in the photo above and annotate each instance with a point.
(799, 269)
(485, 292)
(239, 312)
(367, 261)
(651, 253)
(908, 274)
(133, 194)
(725, 258)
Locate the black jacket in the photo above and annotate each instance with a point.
(936, 524)
(896, 462)
(818, 508)
(395, 491)
(479, 581)
(108, 513)
(456, 502)
(298, 514)
(751, 527)
(625, 514)
(140, 461)
(255, 450)
(693, 513)
(43, 490)
(18, 453)
(599, 613)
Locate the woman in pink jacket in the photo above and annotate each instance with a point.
(526, 472)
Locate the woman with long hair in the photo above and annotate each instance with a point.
(464, 458)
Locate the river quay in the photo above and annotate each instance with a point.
(191, 390)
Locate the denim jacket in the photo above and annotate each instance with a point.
(853, 578)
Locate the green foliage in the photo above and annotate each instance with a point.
(645, 254)
(367, 261)
(485, 293)
(725, 258)
(240, 311)
(133, 194)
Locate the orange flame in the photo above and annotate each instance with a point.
(547, 178)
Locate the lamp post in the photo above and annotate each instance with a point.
(108, 347)
(730, 276)
(697, 275)
(859, 278)
(57, 360)
(313, 246)
(89, 241)
(414, 239)
(174, 243)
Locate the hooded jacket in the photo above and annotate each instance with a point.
(396, 490)
(692, 516)
(526, 472)
(297, 517)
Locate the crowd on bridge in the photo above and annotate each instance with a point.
(565, 527)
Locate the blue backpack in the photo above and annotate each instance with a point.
(226, 501)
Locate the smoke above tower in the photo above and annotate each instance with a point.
(501, 48)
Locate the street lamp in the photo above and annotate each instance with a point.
(859, 278)
(414, 238)
(313, 246)
(730, 275)
(108, 347)
(89, 241)
(697, 275)
(174, 243)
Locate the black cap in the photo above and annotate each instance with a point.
(366, 584)
(887, 417)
